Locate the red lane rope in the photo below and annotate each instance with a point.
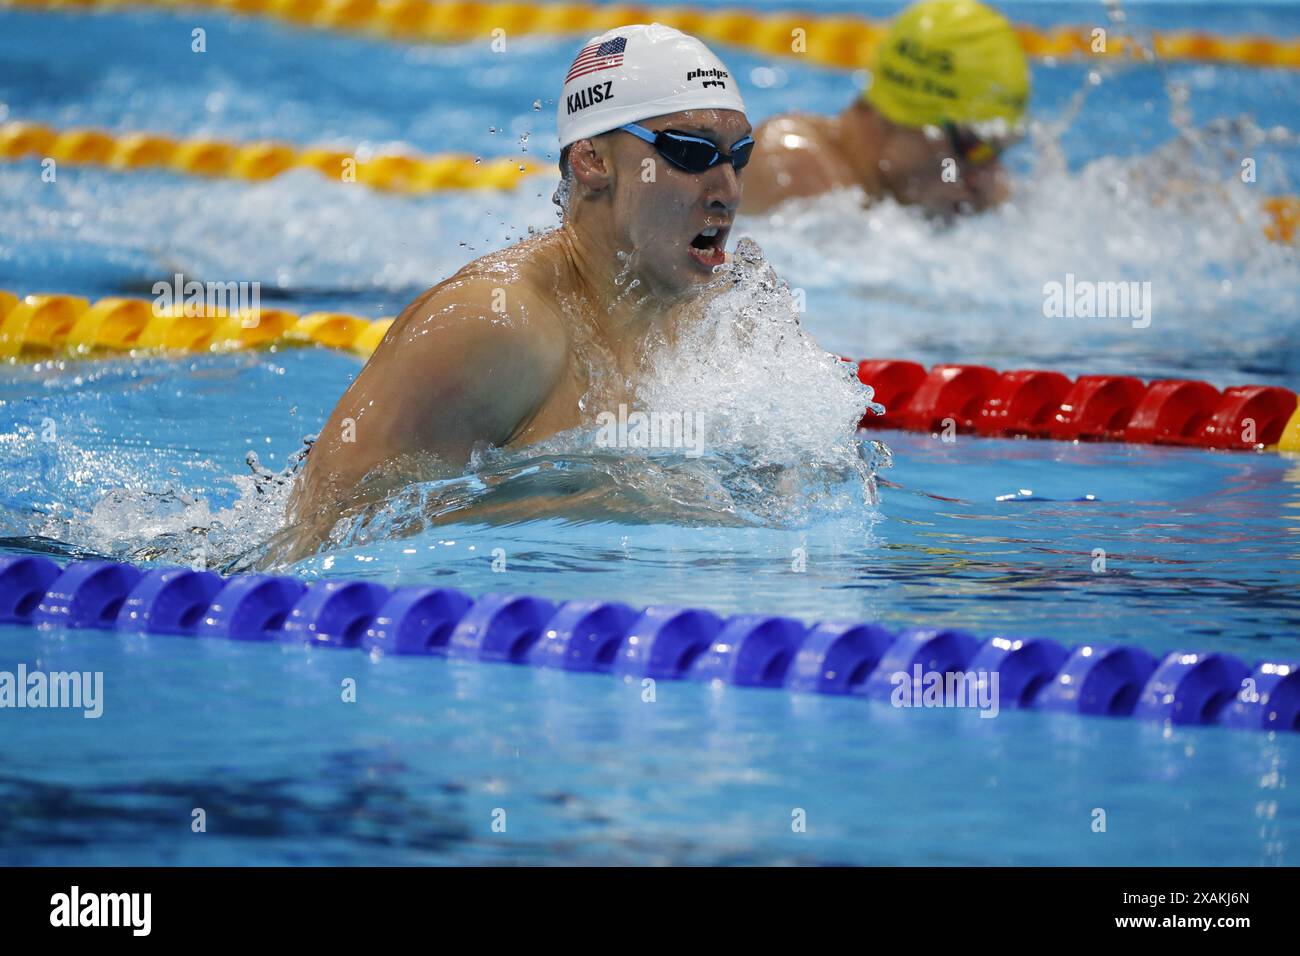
(976, 399)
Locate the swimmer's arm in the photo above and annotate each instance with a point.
(767, 183)
(469, 375)
(451, 374)
(789, 162)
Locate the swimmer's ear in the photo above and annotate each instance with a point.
(589, 167)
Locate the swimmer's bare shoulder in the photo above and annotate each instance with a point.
(794, 157)
(468, 363)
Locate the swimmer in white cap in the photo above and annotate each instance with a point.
(513, 347)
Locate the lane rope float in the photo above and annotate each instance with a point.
(68, 325)
(394, 172)
(1032, 403)
(841, 658)
(1283, 218)
(971, 399)
(830, 40)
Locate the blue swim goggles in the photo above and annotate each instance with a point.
(695, 154)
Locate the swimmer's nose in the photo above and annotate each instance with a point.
(722, 192)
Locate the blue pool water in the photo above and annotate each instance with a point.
(144, 460)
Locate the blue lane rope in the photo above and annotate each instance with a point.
(658, 642)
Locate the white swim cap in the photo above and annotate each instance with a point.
(634, 73)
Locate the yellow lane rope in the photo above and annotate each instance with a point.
(398, 172)
(1284, 218)
(67, 326)
(843, 41)
(55, 325)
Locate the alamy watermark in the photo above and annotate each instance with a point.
(75, 908)
(653, 429)
(193, 298)
(74, 690)
(1084, 299)
(924, 688)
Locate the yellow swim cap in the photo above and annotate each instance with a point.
(949, 61)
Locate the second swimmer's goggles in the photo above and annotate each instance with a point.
(969, 146)
(695, 154)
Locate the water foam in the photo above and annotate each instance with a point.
(770, 396)
(142, 520)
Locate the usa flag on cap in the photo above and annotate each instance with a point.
(597, 57)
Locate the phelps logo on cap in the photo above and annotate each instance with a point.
(635, 72)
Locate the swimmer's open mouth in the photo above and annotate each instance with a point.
(709, 245)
